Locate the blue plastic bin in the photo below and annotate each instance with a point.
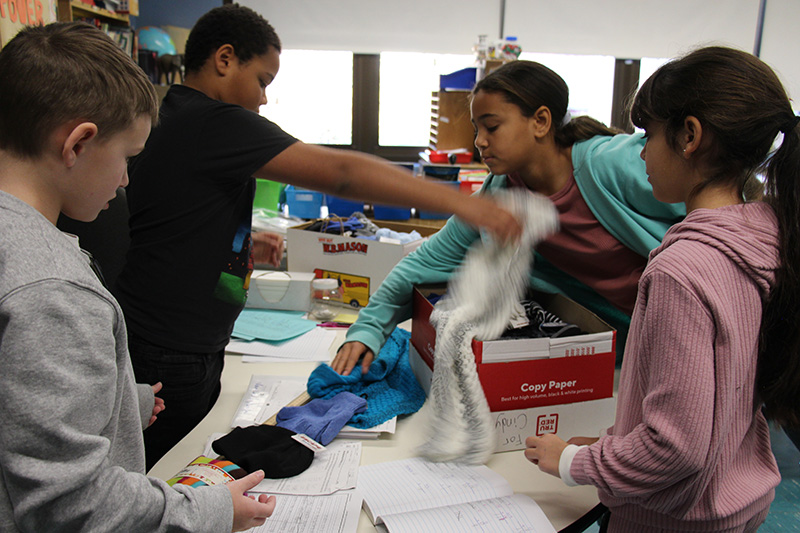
(385, 212)
(342, 206)
(460, 80)
(441, 172)
(303, 203)
(438, 216)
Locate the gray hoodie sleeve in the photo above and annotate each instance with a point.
(71, 446)
(146, 402)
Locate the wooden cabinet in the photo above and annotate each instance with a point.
(116, 25)
(451, 127)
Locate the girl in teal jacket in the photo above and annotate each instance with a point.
(608, 216)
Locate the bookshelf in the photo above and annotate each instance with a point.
(116, 25)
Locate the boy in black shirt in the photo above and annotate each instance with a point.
(190, 200)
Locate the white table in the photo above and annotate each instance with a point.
(562, 505)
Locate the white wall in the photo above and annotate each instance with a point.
(780, 45)
(621, 28)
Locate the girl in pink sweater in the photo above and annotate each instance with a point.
(714, 344)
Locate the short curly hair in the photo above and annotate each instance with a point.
(241, 27)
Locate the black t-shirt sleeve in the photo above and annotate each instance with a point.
(234, 142)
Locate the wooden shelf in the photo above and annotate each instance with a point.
(68, 10)
(116, 25)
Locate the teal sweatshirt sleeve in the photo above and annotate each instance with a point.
(433, 262)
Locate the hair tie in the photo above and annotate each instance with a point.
(790, 124)
(566, 119)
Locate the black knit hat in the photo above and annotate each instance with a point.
(268, 448)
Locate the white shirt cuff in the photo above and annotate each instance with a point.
(565, 463)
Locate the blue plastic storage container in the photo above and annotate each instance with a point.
(385, 212)
(303, 203)
(342, 206)
(441, 172)
(460, 80)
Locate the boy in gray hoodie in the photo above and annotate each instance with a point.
(73, 109)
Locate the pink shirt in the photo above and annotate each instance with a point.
(585, 250)
(690, 449)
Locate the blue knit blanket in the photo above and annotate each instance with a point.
(389, 386)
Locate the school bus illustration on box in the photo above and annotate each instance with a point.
(354, 289)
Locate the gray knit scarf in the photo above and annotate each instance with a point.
(480, 300)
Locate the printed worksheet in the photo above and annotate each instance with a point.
(335, 513)
(333, 469)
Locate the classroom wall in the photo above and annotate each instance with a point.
(624, 29)
(182, 13)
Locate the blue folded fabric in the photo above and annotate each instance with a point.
(390, 387)
(322, 419)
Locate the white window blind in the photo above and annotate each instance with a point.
(374, 26)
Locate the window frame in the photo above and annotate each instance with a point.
(366, 101)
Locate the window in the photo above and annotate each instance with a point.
(312, 96)
(648, 66)
(590, 80)
(406, 83)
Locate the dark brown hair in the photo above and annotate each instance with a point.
(740, 101)
(529, 86)
(50, 75)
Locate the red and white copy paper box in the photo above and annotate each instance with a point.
(525, 373)
(511, 428)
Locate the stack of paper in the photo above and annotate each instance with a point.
(312, 346)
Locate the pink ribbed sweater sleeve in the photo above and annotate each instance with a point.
(687, 442)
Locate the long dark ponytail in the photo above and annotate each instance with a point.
(529, 86)
(741, 101)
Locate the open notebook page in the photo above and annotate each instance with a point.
(412, 484)
(509, 514)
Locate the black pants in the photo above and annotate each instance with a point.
(191, 386)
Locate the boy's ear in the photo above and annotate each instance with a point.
(692, 136)
(223, 58)
(76, 140)
(541, 121)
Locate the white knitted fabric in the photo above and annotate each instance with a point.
(480, 300)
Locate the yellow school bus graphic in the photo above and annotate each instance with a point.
(354, 289)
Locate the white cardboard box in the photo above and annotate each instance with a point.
(579, 419)
(310, 250)
(284, 291)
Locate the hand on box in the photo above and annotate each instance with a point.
(348, 355)
(545, 451)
